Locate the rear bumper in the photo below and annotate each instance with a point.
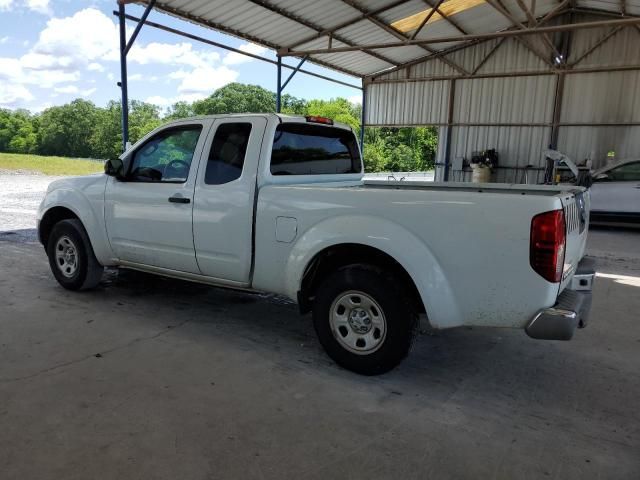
(571, 309)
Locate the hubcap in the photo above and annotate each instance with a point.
(66, 256)
(357, 322)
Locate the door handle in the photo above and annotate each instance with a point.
(175, 199)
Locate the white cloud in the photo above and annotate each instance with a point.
(196, 84)
(203, 81)
(95, 67)
(4, 39)
(170, 54)
(70, 46)
(234, 58)
(178, 75)
(40, 6)
(39, 61)
(84, 37)
(64, 47)
(40, 107)
(66, 89)
(88, 92)
(161, 101)
(13, 72)
(12, 95)
(355, 99)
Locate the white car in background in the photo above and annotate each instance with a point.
(615, 193)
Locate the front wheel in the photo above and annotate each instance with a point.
(363, 319)
(71, 256)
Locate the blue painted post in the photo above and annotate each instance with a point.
(279, 86)
(123, 77)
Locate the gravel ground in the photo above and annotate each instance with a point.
(20, 195)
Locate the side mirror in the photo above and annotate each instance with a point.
(114, 168)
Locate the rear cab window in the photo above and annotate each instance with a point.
(304, 149)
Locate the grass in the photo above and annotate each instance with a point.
(50, 165)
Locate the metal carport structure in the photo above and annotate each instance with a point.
(516, 75)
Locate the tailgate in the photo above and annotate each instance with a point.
(576, 213)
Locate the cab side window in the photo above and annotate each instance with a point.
(226, 157)
(166, 157)
(625, 173)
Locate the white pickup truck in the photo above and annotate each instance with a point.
(273, 203)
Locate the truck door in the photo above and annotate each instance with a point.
(148, 214)
(224, 199)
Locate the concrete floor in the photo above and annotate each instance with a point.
(148, 378)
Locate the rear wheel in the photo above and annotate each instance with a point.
(363, 319)
(71, 257)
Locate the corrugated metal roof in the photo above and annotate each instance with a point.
(308, 24)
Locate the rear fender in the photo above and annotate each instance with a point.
(394, 240)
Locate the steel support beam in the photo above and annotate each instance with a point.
(363, 117)
(236, 33)
(329, 32)
(446, 18)
(241, 52)
(447, 148)
(401, 36)
(135, 33)
(124, 107)
(594, 47)
(488, 56)
(426, 19)
(504, 11)
(295, 70)
(279, 85)
(464, 38)
(557, 111)
(529, 73)
(286, 14)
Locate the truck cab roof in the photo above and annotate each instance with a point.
(283, 118)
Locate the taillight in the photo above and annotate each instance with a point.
(546, 251)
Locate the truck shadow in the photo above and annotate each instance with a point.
(481, 364)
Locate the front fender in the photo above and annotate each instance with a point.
(90, 213)
(390, 238)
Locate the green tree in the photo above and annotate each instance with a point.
(67, 129)
(236, 98)
(338, 109)
(83, 130)
(18, 131)
(106, 140)
(180, 110)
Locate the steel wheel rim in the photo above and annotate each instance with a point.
(357, 322)
(66, 256)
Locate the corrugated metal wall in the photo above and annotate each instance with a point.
(600, 112)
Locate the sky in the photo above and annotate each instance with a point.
(53, 51)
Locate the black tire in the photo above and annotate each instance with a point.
(398, 316)
(87, 272)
